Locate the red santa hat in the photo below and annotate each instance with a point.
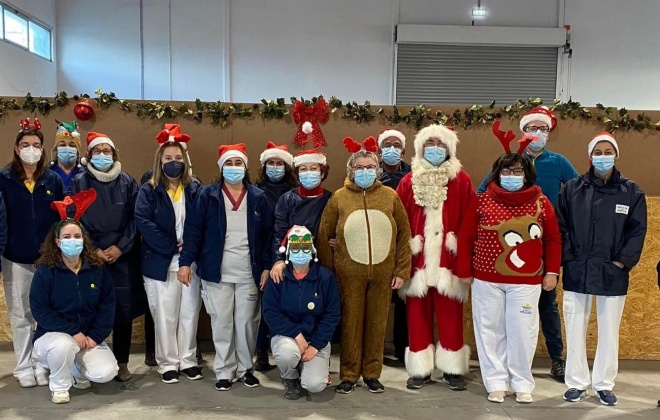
(274, 151)
(388, 132)
(540, 113)
(94, 139)
(297, 235)
(309, 156)
(440, 132)
(172, 133)
(604, 136)
(228, 151)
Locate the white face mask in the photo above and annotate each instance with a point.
(30, 155)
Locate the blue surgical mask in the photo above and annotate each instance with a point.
(603, 164)
(67, 155)
(71, 247)
(102, 162)
(391, 155)
(365, 178)
(435, 155)
(233, 174)
(300, 258)
(540, 143)
(511, 182)
(274, 173)
(310, 179)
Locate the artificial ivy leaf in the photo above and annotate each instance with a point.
(623, 112)
(492, 105)
(600, 106)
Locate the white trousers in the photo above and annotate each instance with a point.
(313, 374)
(577, 309)
(506, 328)
(234, 309)
(17, 281)
(175, 310)
(59, 353)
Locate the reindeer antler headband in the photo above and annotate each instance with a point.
(369, 144)
(80, 202)
(506, 137)
(25, 124)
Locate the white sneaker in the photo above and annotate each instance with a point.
(81, 383)
(61, 397)
(28, 381)
(42, 378)
(524, 398)
(497, 396)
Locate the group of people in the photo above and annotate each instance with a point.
(285, 264)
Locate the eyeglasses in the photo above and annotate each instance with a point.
(22, 146)
(395, 145)
(297, 248)
(515, 171)
(368, 168)
(107, 152)
(533, 129)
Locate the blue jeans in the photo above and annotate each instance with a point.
(550, 323)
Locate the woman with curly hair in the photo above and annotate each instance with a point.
(73, 301)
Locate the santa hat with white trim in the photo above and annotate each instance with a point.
(297, 235)
(93, 140)
(388, 132)
(309, 156)
(540, 113)
(604, 136)
(274, 151)
(437, 131)
(228, 151)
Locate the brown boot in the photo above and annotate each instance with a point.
(124, 374)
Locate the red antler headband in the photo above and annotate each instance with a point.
(25, 124)
(80, 201)
(369, 144)
(506, 137)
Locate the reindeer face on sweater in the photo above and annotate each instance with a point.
(523, 249)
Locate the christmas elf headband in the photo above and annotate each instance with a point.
(80, 202)
(297, 239)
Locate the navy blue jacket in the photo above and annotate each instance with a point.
(29, 216)
(600, 223)
(66, 302)
(205, 229)
(295, 209)
(3, 228)
(154, 218)
(392, 179)
(309, 306)
(274, 191)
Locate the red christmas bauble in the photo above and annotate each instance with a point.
(83, 111)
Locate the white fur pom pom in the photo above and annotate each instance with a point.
(282, 249)
(307, 127)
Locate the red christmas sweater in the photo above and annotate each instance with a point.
(509, 237)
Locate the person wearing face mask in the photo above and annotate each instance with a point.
(110, 222)
(160, 213)
(229, 236)
(66, 152)
(371, 258)
(27, 188)
(73, 301)
(301, 334)
(509, 248)
(553, 170)
(276, 177)
(435, 195)
(602, 218)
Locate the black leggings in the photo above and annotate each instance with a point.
(121, 341)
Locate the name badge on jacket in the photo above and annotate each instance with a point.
(621, 209)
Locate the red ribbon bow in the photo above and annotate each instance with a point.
(312, 114)
(25, 124)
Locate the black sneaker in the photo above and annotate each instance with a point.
(223, 385)
(607, 398)
(345, 387)
(193, 373)
(150, 359)
(170, 377)
(199, 357)
(455, 382)
(291, 389)
(261, 363)
(249, 380)
(374, 385)
(574, 394)
(558, 369)
(417, 383)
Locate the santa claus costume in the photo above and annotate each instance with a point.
(435, 198)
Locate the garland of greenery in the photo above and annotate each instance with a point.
(220, 113)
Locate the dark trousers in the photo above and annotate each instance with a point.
(550, 323)
(149, 333)
(400, 327)
(263, 341)
(121, 341)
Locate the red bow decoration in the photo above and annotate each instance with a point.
(80, 201)
(308, 118)
(369, 144)
(505, 138)
(25, 124)
(172, 131)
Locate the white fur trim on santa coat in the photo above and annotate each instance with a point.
(453, 362)
(447, 136)
(419, 364)
(274, 153)
(391, 133)
(451, 243)
(416, 244)
(309, 158)
(416, 287)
